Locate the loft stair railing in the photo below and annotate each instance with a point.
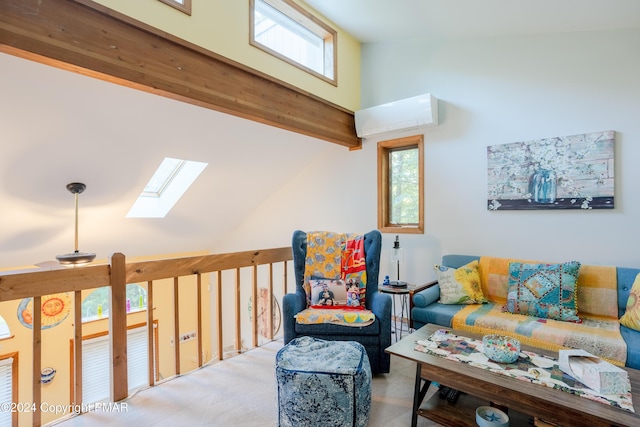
(36, 284)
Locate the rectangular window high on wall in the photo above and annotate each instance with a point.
(181, 5)
(288, 32)
(401, 185)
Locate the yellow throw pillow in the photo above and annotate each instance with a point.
(460, 285)
(631, 317)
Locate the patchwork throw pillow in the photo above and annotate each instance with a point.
(547, 291)
(460, 285)
(631, 317)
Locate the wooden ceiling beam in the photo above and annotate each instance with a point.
(88, 38)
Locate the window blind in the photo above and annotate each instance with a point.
(6, 389)
(96, 365)
(95, 369)
(138, 358)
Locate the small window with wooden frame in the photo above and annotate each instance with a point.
(181, 5)
(401, 185)
(290, 33)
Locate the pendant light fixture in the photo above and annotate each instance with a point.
(76, 257)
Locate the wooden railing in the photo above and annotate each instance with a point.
(119, 273)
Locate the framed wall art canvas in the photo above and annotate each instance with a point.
(567, 172)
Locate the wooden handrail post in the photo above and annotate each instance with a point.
(118, 328)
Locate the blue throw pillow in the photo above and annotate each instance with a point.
(547, 291)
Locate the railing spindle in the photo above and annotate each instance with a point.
(238, 346)
(199, 326)
(77, 347)
(254, 306)
(219, 314)
(150, 335)
(269, 311)
(36, 323)
(176, 324)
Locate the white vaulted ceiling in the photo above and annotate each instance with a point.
(60, 127)
(374, 21)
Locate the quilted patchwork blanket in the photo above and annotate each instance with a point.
(344, 317)
(529, 367)
(335, 256)
(596, 334)
(324, 255)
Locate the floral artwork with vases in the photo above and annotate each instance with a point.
(567, 172)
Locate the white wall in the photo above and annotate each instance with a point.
(492, 91)
(336, 191)
(502, 90)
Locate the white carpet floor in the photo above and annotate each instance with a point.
(241, 391)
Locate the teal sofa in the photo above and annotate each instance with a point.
(427, 309)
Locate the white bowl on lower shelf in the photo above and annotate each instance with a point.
(488, 416)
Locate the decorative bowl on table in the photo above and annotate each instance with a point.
(488, 416)
(501, 348)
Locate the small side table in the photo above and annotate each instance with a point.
(406, 295)
(403, 293)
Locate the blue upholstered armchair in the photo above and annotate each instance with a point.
(374, 337)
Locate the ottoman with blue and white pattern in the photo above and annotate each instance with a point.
(323, 383)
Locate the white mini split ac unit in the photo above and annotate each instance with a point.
(407, 114)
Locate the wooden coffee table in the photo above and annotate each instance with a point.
(483, 387)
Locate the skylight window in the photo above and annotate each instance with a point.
(170, 181)
(160, 180)
(286, 31)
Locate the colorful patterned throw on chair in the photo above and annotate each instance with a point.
(335, 280)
